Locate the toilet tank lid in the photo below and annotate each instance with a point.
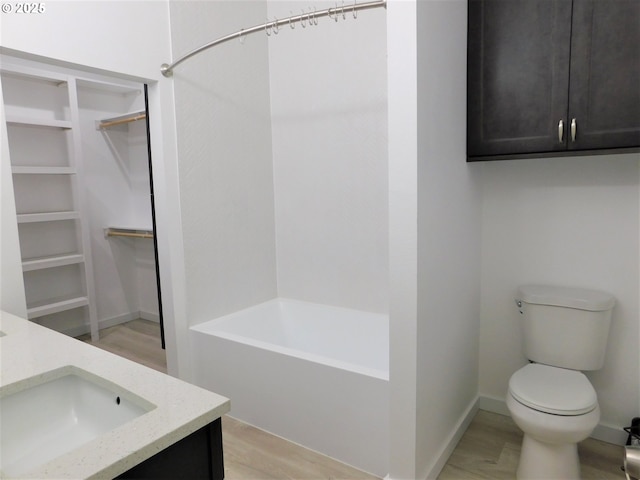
(569, 297)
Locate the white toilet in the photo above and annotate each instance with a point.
(555, 405)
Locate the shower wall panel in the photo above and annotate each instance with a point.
(225, 165)
(329, 123)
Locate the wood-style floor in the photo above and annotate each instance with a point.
(138, 340)
(489, 449)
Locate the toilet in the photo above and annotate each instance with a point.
(565, 332)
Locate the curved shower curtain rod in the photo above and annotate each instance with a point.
(272, 27)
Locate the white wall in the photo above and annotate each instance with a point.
(224, 141)
(130, 39)
(403, 236)
(571, 221)
(329, 124)
(434, 237)
(146, 286)
(448, 238)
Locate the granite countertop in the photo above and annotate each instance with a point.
(29, 351)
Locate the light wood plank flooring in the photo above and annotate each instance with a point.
(489, 449)
(251, 453)
(137, 340)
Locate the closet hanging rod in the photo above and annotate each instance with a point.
(127, 232)
(167, 69)
(130, 117)
(130, 235)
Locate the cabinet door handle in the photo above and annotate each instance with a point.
(574, 129)
(560, 130)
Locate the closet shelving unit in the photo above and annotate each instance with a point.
(80, 168)
(42, 117)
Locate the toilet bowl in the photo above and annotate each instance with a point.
(555, 408)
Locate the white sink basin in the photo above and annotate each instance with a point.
(71, 408)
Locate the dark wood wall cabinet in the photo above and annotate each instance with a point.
(552, 77)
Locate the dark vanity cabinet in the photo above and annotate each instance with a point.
(552, 77)
(198, 456)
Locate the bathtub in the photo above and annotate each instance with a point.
(314, 374)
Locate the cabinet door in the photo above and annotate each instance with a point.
(518, 76)
(605, 74)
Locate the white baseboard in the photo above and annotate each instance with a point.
(454, 437)
(117, 320)
(603, 432)
(494, 405)
(76, 331)
(610, 434)
(152, 317)
(452, 441)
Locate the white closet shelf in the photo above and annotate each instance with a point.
(39, 122)
(51, 262)
(56, 306)
(125, 88)
(47, 217)
(19, 72)
(33, 170)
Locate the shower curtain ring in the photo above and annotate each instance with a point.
(335, 12)
(355, 12)
(291, 25)
(267, 28)
(302, 20)
(241, 36)
(344, 17)
(276, 27)
(315, 16)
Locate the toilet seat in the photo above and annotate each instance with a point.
(553, 390)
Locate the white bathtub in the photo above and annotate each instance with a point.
(314, 374)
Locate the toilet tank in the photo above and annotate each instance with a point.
(565, 327)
